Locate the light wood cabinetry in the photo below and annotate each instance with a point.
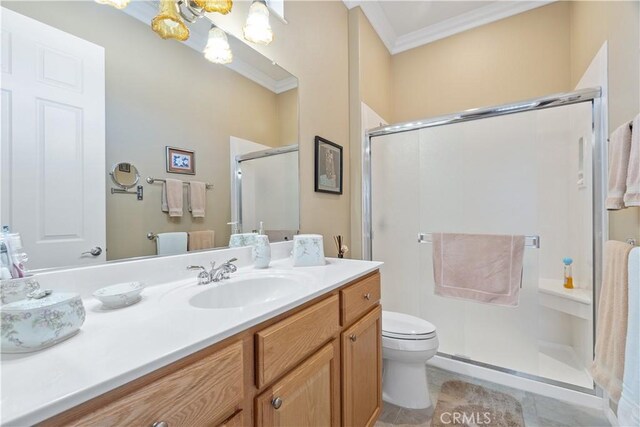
(362, 370)
(308, 396)
(185, 397)
(285, 344)
(316, 365)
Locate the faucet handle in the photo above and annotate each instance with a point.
(196, 267)
(231, 260)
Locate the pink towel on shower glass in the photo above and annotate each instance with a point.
(479, 267)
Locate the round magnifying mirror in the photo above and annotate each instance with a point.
(125, 175)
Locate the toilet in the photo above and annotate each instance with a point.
(407, 343)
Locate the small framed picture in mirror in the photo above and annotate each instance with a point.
(328, 167)
(181, 161)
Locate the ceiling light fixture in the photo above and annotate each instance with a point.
(118, 4)
(217, 49)
(168, 24)
(257, 29)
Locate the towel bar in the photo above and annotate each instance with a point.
(152, 180)
(529, 241)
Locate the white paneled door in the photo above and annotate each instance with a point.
(53, 143)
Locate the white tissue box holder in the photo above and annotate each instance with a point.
(308, 250)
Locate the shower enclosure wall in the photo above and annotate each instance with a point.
(532, 168)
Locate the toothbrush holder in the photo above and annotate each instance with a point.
(261, 251)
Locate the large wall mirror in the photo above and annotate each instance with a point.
(90, 91)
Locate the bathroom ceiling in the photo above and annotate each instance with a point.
(403, 25)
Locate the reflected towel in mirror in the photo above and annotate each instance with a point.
(197, 198)
(172, 197)
(199, 240)
(171, 243)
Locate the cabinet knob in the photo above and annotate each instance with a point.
(367, 296)
(160, 424)
(353, 337)
(276, 402)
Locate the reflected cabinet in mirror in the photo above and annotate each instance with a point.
(95, 106)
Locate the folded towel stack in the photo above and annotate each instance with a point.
(624, 166)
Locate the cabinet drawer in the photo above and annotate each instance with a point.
(200, 394)
(284, 344)
(359, 298)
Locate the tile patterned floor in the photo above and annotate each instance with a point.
(538, 411)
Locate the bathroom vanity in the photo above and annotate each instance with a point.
(312, 359)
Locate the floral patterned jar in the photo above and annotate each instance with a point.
(33, 324)
(12, 290)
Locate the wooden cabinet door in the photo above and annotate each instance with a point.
(362, 371)
(309, 396)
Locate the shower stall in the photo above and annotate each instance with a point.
(534, 168)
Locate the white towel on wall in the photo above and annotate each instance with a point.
(171, 243)
(619, 151)
(629, 405)
(632, 195)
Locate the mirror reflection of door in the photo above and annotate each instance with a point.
(53, 142)
(155, 93)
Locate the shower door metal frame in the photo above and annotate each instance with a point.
(600, 221)
(237, 173)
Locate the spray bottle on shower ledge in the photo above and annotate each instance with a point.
(568, 275)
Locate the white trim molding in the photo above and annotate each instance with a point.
(475, 18)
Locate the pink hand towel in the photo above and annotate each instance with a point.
(611, 325)
(632, 196)
(479, 267)
(619, 150)
(197, 196)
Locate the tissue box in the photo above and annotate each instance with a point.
(12, 290)
(308, 250)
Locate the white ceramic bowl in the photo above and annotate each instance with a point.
(33, 324)
(12, 290)
(120, 295)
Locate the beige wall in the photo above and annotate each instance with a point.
(151, 103)
(370, 68)
(314, 47)
(287, 110)
(617, 22)
(524, 56)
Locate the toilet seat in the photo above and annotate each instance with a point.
(400, 326)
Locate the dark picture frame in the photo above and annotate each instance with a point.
(180, 161)
(328, 169)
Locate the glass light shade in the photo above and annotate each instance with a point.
(118, 4)
(257, 29)
(217, 49)
(221, 6)
(168, 24)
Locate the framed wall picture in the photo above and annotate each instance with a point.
(328, 167)
(181, 161)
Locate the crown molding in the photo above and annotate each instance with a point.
(145, 11)
(475, 18)
(467, 21)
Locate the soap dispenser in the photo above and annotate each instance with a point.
(261, 251)
(568, 275)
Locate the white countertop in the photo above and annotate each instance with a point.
(115, 347)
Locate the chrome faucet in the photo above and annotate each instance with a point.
(216, 274)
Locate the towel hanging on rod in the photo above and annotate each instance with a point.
(152, 180)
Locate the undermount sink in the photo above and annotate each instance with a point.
(249, 290)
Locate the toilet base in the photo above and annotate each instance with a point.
(405, 384)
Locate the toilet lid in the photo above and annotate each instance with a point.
(404, 326)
